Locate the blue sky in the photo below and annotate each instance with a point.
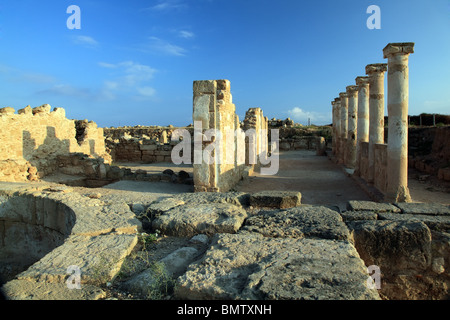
(133, 62)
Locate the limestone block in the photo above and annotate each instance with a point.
(148, 147)
(225, 96)
(205, 87)
(300, 222)
(435, 209)
(359, 205)
(59, 112)
(174, 264)
(190, 220)
(276, 199)
(201, 109)
(7, 111)
(223, 85)
(377, 242)
(26, 110)
(44, 109)
(26, 290)
(249, 266)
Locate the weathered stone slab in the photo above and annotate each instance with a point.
(26, 290)
(99, 259)
(276, 199)
(236, 198)
(400, 245)
(160, 206)
(424, 208)
(193, 219)
(173, 265)
(438, 223)
(356, 205)
(359, 215)
(299, 222)
(250, 266)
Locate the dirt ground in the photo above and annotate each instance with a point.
(318, 179)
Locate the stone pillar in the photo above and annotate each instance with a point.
(352, 93)
(337, 103)
(344, 126)
(363, 118)
(376, 111)
(333, 127)
(398, 93)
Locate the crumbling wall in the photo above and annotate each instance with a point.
(408, 242)
(32, 139)
(429, 151)
(142, 144)
(301, 138)
(216, 164)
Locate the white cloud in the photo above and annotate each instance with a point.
(162, 46)
(301, 116)
(168, 5)
(85, 41)
(146, 91)
(129, 77)
(186, 34)
(107, 65)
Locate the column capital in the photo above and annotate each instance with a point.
(376, 68)
(343, 95)
(398, 48)
(337, 100)
(361, 81)
(351, 89)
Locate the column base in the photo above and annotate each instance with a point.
(401, 195)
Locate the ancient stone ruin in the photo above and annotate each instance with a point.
(151, 212)
(358, 119)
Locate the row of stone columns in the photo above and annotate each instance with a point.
(358, 117)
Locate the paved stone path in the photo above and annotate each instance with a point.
(319, 180)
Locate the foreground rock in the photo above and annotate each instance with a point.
(276, 199)
(193, 219)
(48, 231)
(300, 222)
(159, 277)
(250, 266)
(410, 245)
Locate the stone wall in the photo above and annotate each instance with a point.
(32, 139)
(429, 152)
(300, 138)
(142, 144)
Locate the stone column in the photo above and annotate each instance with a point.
(376, 111)
(398, 93)
(344, 126)
(337, 125)
(333, 127)
(352, 93)
(363, 118)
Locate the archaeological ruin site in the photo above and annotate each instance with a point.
(228, 208)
